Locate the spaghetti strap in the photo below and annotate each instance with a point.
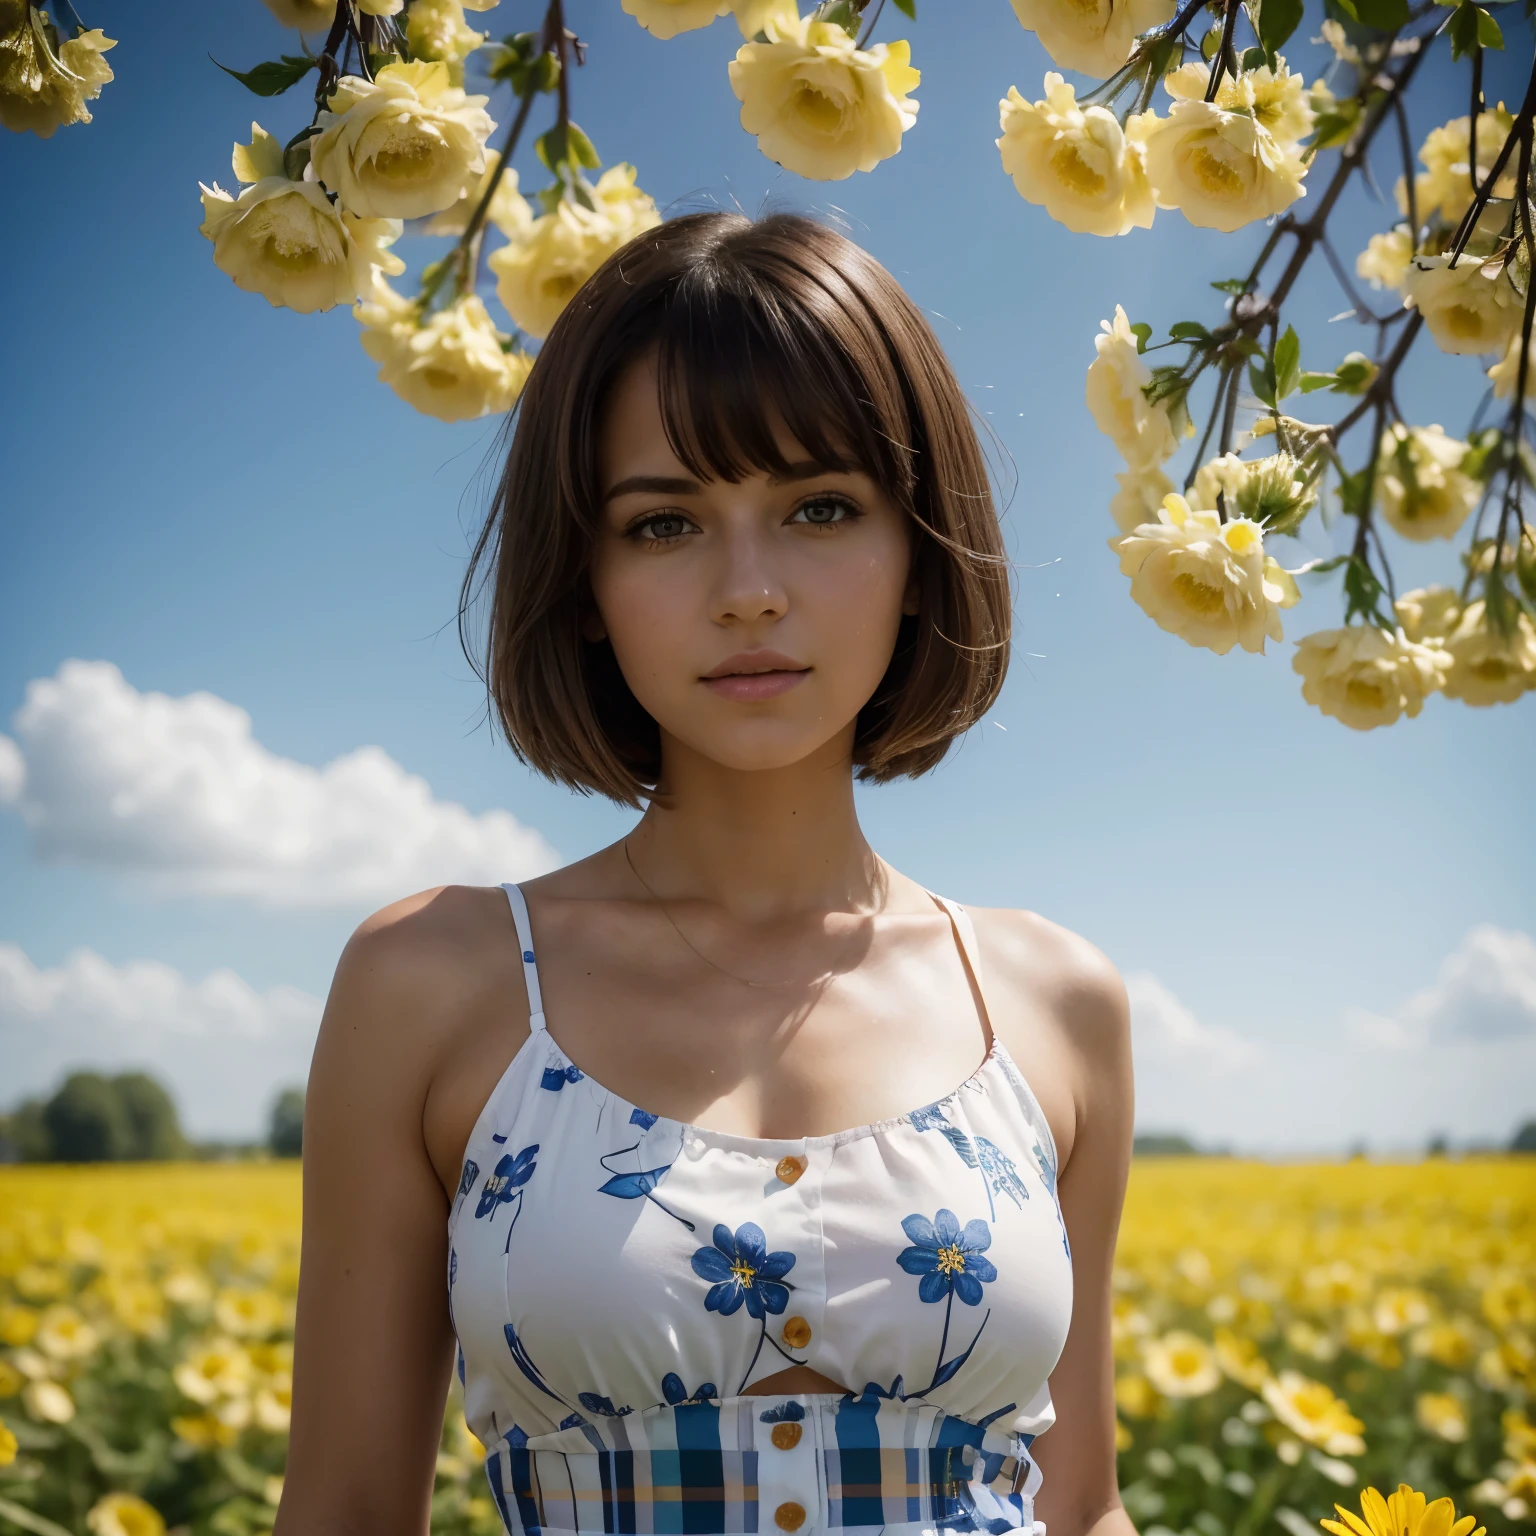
(519, 904)
(966, 934)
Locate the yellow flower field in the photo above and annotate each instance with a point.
(1285, 1336)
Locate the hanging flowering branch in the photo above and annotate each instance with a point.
(1232, 149)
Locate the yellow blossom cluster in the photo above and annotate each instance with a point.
(816, 102)
(45, 82)
(1223, 163)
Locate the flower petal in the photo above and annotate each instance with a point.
(934, 1286)
(920, 1230)
(918, 1261)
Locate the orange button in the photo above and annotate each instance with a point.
(789, 1169)
(789, 1516)
(797, 1332)
(786, 1435)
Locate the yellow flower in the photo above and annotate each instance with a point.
(1450, 1344)
(1509, 1299)
(48, 1402)
(821, 106)
(62, 1334)
(1445, 187)
(1398, 1309)
(1181, 1365)
(666, 18)
(509, 210)
(1206, 581)
(1490, 668)
(1227, 162)
(18, 1324)
(1443, 1415)
(1117, 378)
(123, 1514)
(8, 1446)
(1469, 308)
(1385, 260)
(1239, 1358)
(765, 17)
(1093, 36)
(42, 91)
(306, 15)
(138, 1306)
(1312, 1413)
(1420, 488)
(1365, 677)
(1506, 372)
(1272, 492)
(538, 273)
(187, 1288)
(436, 29)
(1141, 493)
(1428, 613)
(205, 1432)
(273, 1407)
(405, 145)
(1404, 1513)
(453, 364)
(1074, 162)
(286, 241)
(1136, 1397)
(247, 1314)
(11, 1380)
(218, 1369)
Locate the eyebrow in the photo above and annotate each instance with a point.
(672, 485)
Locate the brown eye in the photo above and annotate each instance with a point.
(662, 528)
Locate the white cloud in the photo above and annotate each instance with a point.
(180, 790)
(1486, 990)
(221, 1047)
(1162, 1026)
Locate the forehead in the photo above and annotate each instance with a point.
(637, 436)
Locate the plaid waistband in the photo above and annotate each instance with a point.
(744, 1465)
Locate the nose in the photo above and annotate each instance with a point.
(748, 585)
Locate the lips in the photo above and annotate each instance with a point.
(752, 676)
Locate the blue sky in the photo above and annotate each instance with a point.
(1326, 932)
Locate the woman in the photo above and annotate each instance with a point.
(726, 1249)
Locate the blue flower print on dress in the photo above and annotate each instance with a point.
(931, 1118)
(950, 1262)
(467, 1178)
(782, 1413)
(998, 1173)
(643, 1118)
(555, 1078)
(675, 1391)
(743, 1271)
(602, 1406)
(948, 1258)
(1001, 1174)
(1048, 1178)
(505, 1185)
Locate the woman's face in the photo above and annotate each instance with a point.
(752, 621)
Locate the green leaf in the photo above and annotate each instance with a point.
(1261, 376)
(908, 8)
(1287, 363)
(1189, 330)
(1231, 285)
(1143, 334)
(1488, 33)
(1337, 8)
(1274, 21)
(1316, 381)
(1362, 591)
(1471, 27)
(1385, 15)
(273, 77)
(1321, 567)
(567, 145)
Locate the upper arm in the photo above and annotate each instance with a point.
(1066, 988)
(373, 1343)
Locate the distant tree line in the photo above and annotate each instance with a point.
(93, 1118)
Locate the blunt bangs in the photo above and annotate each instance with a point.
(758, 328)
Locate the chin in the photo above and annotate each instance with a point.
(762, 747)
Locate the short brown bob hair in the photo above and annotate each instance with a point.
(748, 319)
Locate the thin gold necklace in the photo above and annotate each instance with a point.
(743, 980)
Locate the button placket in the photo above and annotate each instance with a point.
(788, 1491)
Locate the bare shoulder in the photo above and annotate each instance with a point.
(1034, 963)
(1060, 1007)
(418, 974)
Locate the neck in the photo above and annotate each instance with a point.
(762, 844)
